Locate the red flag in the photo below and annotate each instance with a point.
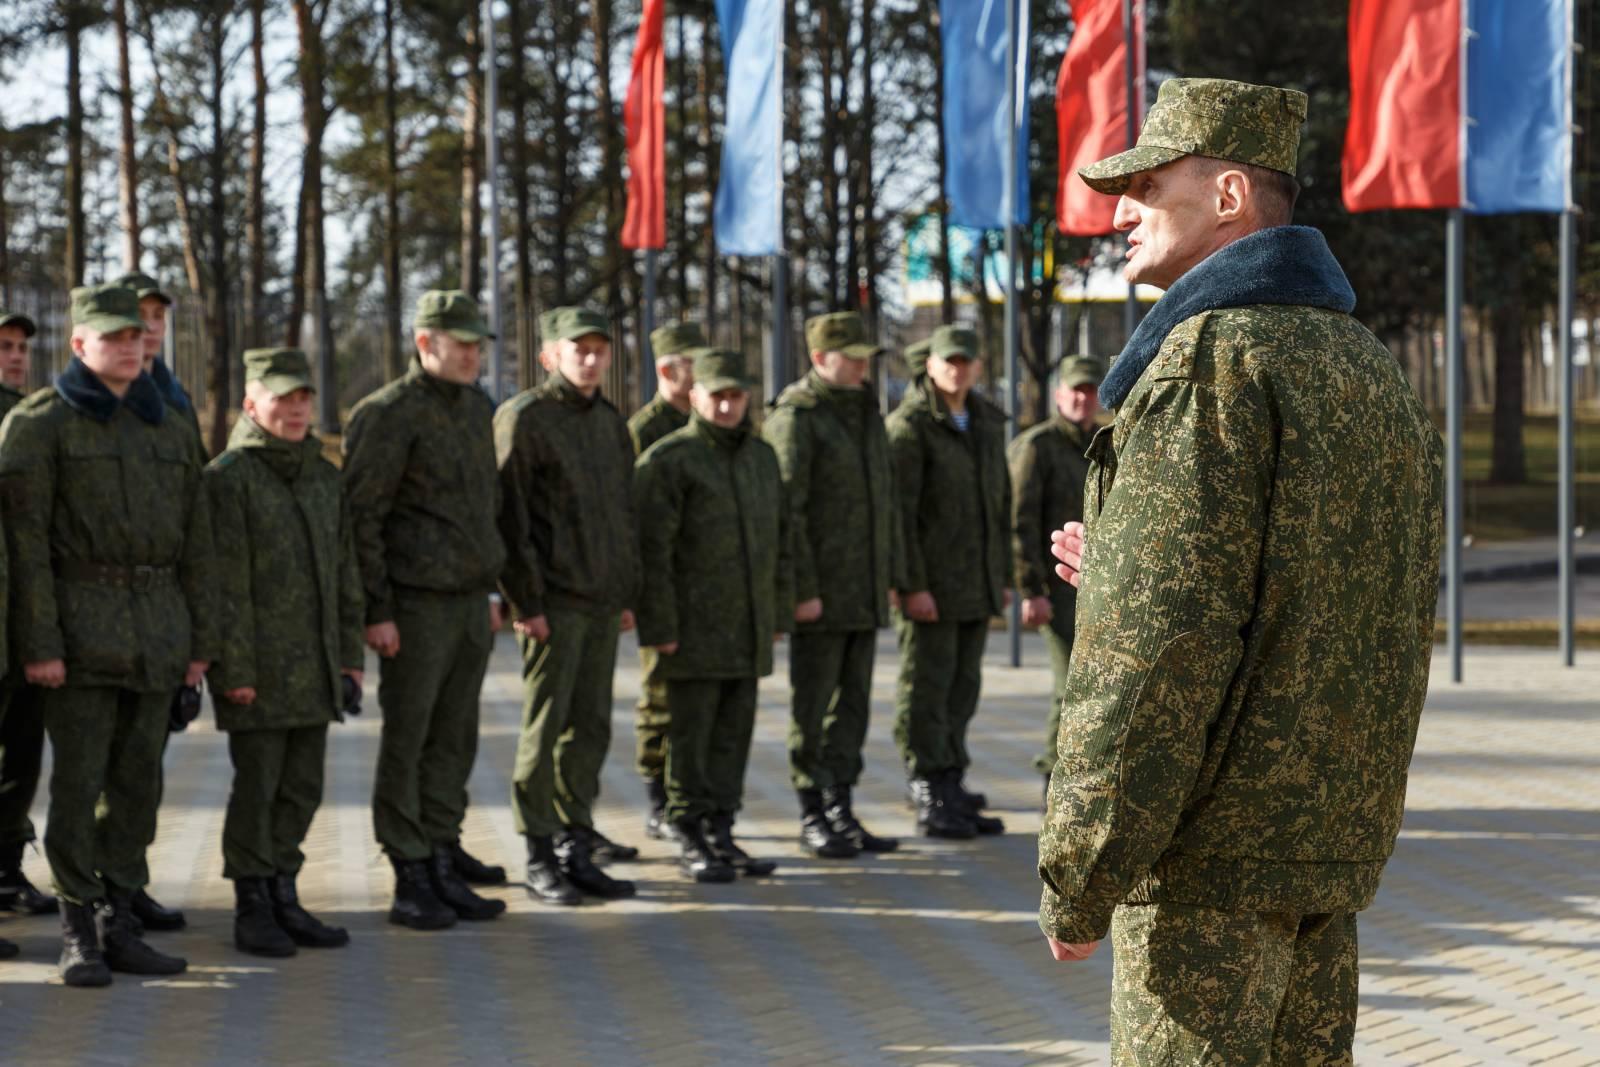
(645, 114)
(1402, 148)
(1092, 109)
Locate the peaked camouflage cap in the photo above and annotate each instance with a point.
(16, 318)
(954, 342)
(916, 355)
(1081, 370)
(452, 311)
(1236, 121)
(281, 370)
(840, 331)
(106, 308)
(716, 369)
(569, 323)
(676, 339)
(144, 286)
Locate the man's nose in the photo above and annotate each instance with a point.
(1127, 215)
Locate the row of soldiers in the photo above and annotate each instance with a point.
(137, 569)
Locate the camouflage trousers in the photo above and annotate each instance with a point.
(1211, 988)
(651, 718)
(104, 786)
(277, 788)
(941, 674)
(1060, 653)
(21, 754)
(566, 722)
(708, 746)
(429, 698)
(830, 678)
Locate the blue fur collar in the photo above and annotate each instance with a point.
(86, 393)
(169, 387)
(1282, 265)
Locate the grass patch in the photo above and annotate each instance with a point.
(1494, 512)
(1528, 633)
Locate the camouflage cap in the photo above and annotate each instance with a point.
(716, 369)
(16, 318)
(676, 339)
(106, 308)
(954, 342)
(916, 355)
(452, 311)
(1256, 124)
(144, 286)
(840, 331)
(281, 370)
(1081, 370)
(568, 323)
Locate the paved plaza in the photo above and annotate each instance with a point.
(1483, 947)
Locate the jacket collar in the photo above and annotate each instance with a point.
(84, 392)
(1284, 265)
(449, 391)
(569, 394)
(722, 436)
(286, 458)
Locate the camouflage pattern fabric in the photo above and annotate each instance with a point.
(1254, 626)
(653, 422)
(936, 696)
(1059, 649)
(1209, 988)
(714, 538)
(277, 788)
(421, 490)
(9, 398)
(830, 679)
(567, 517)
(713, 720)
(287, 573)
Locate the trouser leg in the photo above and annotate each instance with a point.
(127, 824)
(816, 661)
(21, 756)
(581, 749)
(927, 671)
(451, 747)
(965, 687)
(729, 744)
(550, 671)
(1060, 653)
(1317, 1023)
(258, 759)
(692, 710)
(650, 722)
(81, 723)
(299, 795)
(844, 731)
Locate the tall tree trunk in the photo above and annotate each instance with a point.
(217, 297)
(5, 225)
(866, 200)
(314, 118)
(393, 354)
(255, 236)
(832, 105)
(521, 193)
(128, 157)
(709, 150)
(947, 308)
(297, 267)
(472, 162)
(610, 162)
(76, 254)
(1508, 460)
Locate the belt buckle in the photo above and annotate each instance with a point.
(141, 578)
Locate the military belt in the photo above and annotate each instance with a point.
(138, 578)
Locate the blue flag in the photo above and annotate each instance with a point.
(749, 208)
(1519, 86)
(977, 111)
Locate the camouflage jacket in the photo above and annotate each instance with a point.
(1254, 626)
(9, 398)
(834, 455)
(421, 490)
(955, 503)
(653, 422)
(566, 491)
(290, 588)
(714, 538)
(1048, 467)
(110, 538)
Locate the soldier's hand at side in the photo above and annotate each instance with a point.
(894, 600)
(49, 674)
(537, 628)
(1037, 611)
(1066, 545)
(384, 639)
(1065, 953)
(628, 622)
(808, 610)
(197, 671)
(355, 676)
(497, 616)
(919, 607)
(243, 695)
(667, 649)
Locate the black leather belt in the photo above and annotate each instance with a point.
(137, 578)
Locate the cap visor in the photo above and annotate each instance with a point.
(155, 294)
(584, 331)
(861, 351)
(103, 324)
(717, 385)
(1111, 176)
(1072, 381)
(21, 322)
(284, 384)
(469, 336)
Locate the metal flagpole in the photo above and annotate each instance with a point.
(1008, 203)
(1130, 310)
(1455, 232)
(647, 325)
(777, 357)
(491, 83)
(1566, 513)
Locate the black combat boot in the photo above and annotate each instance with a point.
(474, 871)
(153, 915)
(975, 801)
(16, 892)
(125, 947)
(935, 816)
(545, 880)
(304, 928)
(82, 965)
(656, 825)
(456, 894)
(415, 904)
(966, 804)
(8, 949)
(698, 862)
(255, 929)
(842, 820)
(816, 836)
(575, 849)
(719, 832)
(604, 850)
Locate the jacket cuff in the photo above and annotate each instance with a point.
(1069, 925)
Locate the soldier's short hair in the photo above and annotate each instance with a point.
(1276, 193)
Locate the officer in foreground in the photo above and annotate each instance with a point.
(1048, 467)
(571, 575)
(666, 412)
(422, 493)
(1256, 599)
(838, 486)
(714, 540)
(290, 644)
(111, 598)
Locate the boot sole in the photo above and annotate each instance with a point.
(418, 924)
(485, 880)
(76, 978)
(481, 916)
(274, 953)
(947, 835)
(306, 942)
(148, 972)
(709, 878)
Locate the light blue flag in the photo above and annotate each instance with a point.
(1519, 82)
(749, 195)
(976, 111)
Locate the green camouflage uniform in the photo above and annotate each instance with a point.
(287, 574)
(954, 510)
(834, 455)
(714, 540)
(21, 725)
(422, 497)
(566, 470)
(1255, 626)
(122, 594)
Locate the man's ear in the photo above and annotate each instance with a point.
(1234, 195)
